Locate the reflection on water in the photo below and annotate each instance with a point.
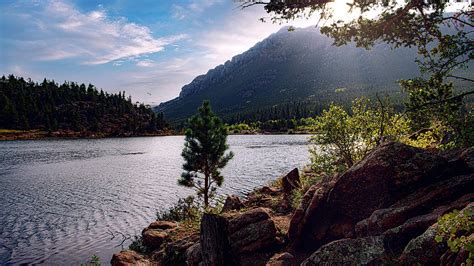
(61, 199)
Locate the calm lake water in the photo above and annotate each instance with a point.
(60, 199)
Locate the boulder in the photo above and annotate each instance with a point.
(252, 230)
(163, 225)
(129, 257)
(423, 250)
(290, 182)
(360, 251)
(386, 175)
(154, 238)
(422, 201)
(193, 255)
(231, 203)
(467, 157)
(175, 252)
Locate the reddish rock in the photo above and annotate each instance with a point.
(231, 203)
(154, 238)
(193, 255)
(251, 231)
(290, 182)
(468, 158)
(129, 257)
(163, 225)
(389, 173)
(422, 201)
(423, 250)
(360, 251)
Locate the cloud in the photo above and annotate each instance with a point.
(63, 32)
(193, 8)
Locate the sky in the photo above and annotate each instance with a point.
(148, 48)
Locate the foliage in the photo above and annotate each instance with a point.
(94, 261)
(70, 106)
(185, 209)
(341, 138)
(306, 181)
(204, 153)
(432, 104)
(138, 246)
(457, 228)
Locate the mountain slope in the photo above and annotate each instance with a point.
(301, 65)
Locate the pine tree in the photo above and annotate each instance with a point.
(204, 153)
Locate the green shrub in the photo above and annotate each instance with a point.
(343, 138)
(185, 209)
(94, 261)
(457, 228)
(306, 182)
(138, 246)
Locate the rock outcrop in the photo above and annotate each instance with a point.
(385, 205)
(290, 182)
(232, 203)
(251, 231)
(129, 257)
(385, 176)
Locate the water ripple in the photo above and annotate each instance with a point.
(61, 198)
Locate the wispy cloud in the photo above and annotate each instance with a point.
(195, 7)
(63, 32)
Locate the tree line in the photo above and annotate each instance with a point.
(26, 105)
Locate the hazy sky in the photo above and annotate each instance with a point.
(148, 48)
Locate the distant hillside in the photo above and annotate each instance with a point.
(301, 65)
(288, 67)
(49, 106)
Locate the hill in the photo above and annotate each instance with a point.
(293, 66)
(70, 107)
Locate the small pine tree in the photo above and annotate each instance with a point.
(204, 153)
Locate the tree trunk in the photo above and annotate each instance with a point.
(215, 246)
(206, 190)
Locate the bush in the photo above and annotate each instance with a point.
(94, 261)
(342, 139)
(306, 182)
(138, 246)
(457, 228)
(185, 209)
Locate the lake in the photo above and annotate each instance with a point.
(61, 200)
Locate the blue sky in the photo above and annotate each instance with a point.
(149, 48)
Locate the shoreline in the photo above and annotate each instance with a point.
(13, 135)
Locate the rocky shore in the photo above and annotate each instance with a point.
(383, 210)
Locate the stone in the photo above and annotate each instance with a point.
(467, 157)
(193, 255)
(129, 257)
(360, 251)
(423, 250)
(389, 173)
(290, 182)
(251, 231)
(422, 201)
(231, 203)
(163, 225)
(285, 256)
(154, 238)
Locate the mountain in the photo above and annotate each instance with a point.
(293, 66)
